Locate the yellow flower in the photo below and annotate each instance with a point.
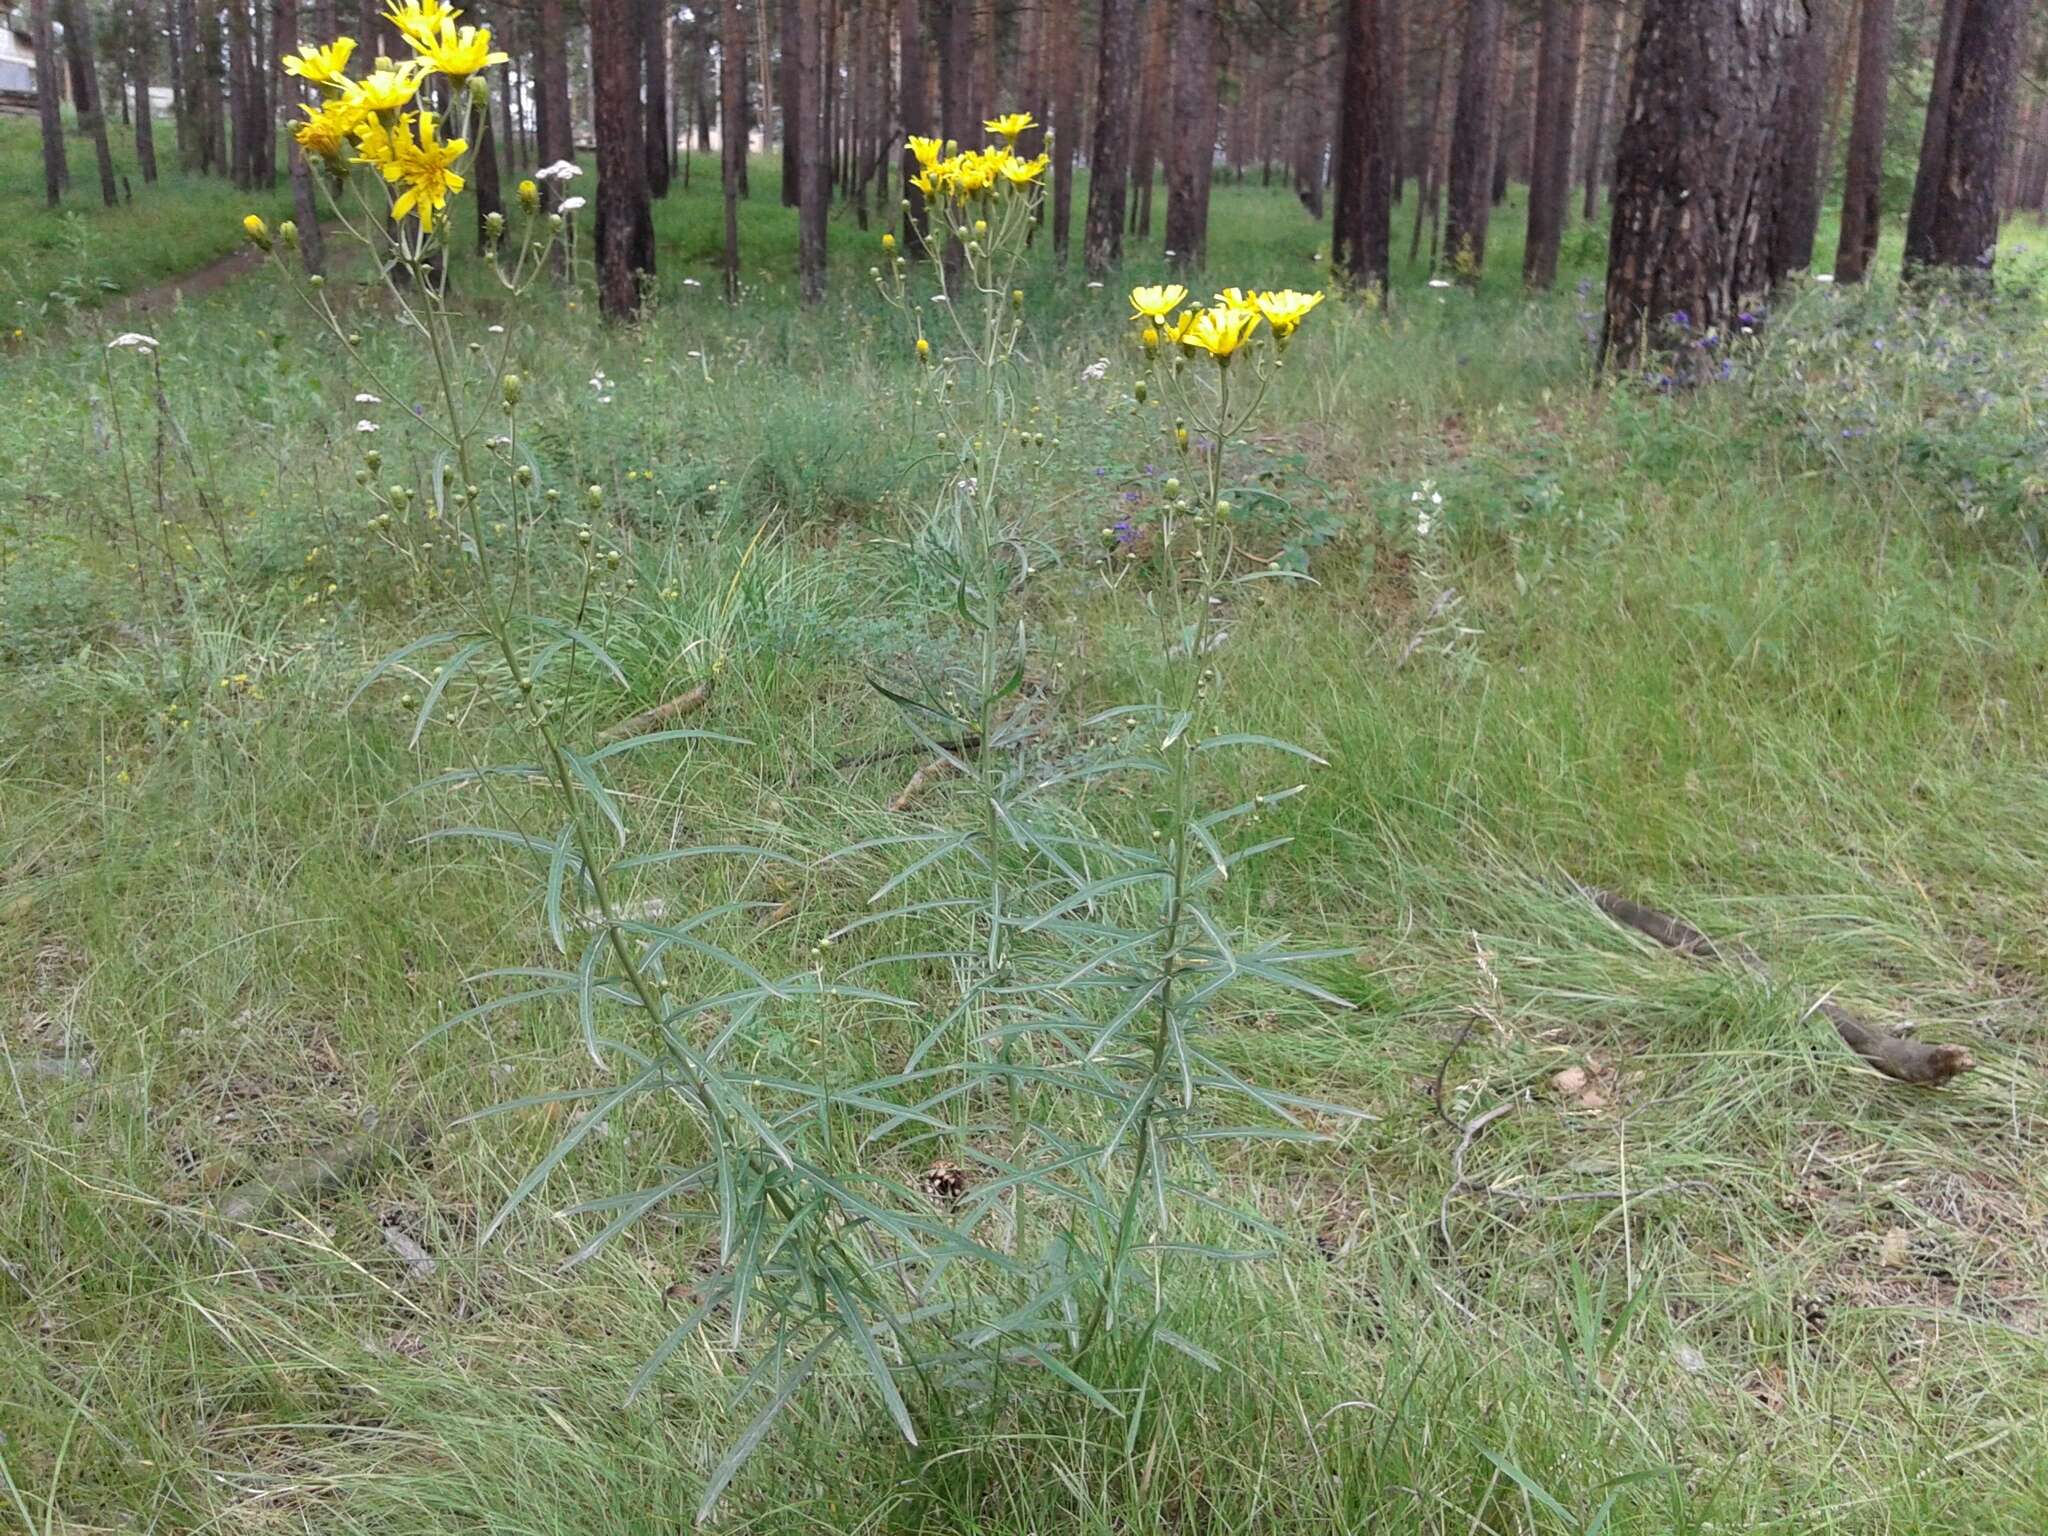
(1286, 309)
(529, 194)
(458, 54)
(419, 21)
(1009, 125)
(385, 90)
(924, 350)
(325, 133)
(1020, 172)
(1235, 298)
(888, 242)
(424, 164)
(1220, 331)
(926, 150)
(257, 231)
(321, 66)
(1156, 303)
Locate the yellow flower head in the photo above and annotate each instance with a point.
(420, 21)
(888, 242)
(927, 151)
(257, 231)
(1156, 303)
(1235, 298)
(1220, 330)
(924, 350)
(325, 133)
(529, 194)
(1019, 172)
(458, 54)
(1009, 125)
(425, 164)
(1286, 309)
(386, 90)
(321, 66)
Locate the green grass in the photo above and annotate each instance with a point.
(1704, 648)
(85, 254)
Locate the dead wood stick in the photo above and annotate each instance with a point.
(650, 719)
(325, 1169)
(1903, 1060)
(936, 769)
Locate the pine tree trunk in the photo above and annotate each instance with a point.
(1361, 224)
(1191, 147)
(1962, 227)
(1066, 120)
(1436, 169)
(732, 134)
(659, 137)
(262, 101)
(175, 49)
(1799, 147)
(145, 129)
(789, 24)
(49, 108)
(915, 115)
(1310, 129)
(91, 119)
(556, 117)
(1557, 73)
(803, 112)
(625, 221)
(1472, 136)
(1933, 138)
(1694, 191)
(1606, 67)
(1156, 94)
(1109, 165)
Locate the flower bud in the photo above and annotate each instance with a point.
(1016, 298)
(1223, 509)
(888, 242)
(479, 93)
(510, 386)
(1138, 392)
(1172, 487)
(594, 495)
(288, 232)
(374, 459)
(494, 226)
(257, 231)
(524, 475)
(924, 350)
(529, 195)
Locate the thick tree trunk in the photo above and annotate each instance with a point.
(1066, 120)
(1394, 51)
(145, 127)
(1191, 146)
(1472, 137)
(732, 134)
(1693, 190)
(1933, 139)
(557, 124)
(1799, 148)
(1155, 96)
(91, 119)
(915, 114)
(1361, 225)
(1557, 73)
(803, 109)
(49, 107)
(625, 221)
(790, 23)
(659, 136)
(1962, 230)
(1109, 164)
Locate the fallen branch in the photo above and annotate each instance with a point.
(936, 769)
(1905, 1061)
(319, 1172)
(653, 719)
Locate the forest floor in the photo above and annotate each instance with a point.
(1767, 653)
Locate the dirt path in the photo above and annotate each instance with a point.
(216, 274)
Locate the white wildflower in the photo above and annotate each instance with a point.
(133, 341)
(368, 426)
(1440, 282)
(561, 170)
(368, 399)
(1096, 370)
(570, 204)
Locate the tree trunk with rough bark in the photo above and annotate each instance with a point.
(625, 221)
(1191, 146)
(1066, 120)
(1933, 138)
(1361, 224)
(732, 134)
(49, 106)
(1962, 231)
(285, 34)
(145, 127)
(91, 119)
(659, 136)
(1109, 164)
(804, 110)
(1557, 73)
(914, 110)
(1472, 137)
(1799, 148)
(1694, 191)
(1606, 68)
